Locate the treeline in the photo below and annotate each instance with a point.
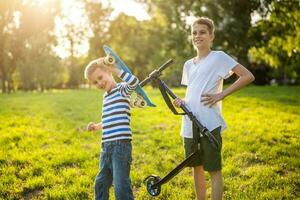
(262, 35)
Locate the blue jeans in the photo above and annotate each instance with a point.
(115, 161)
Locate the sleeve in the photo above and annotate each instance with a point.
(184, 79)
(226, 65)
(131, 82)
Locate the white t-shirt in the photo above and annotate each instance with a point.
(205, 77)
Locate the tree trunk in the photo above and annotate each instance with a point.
(3, 80)
(9, 83)
(3, 85)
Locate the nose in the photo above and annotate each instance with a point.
(99, 85)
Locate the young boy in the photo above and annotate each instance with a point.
(203, 75)
(116, 133)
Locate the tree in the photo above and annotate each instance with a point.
(232, 21)
(98, 17)
(24, 24)
(7, 11)
(138, 43)
(40, 68)
(72, 35)
(277, 39)
(36, 30)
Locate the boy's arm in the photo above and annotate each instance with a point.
(131, 82)
(245, 77)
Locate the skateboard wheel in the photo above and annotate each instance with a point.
(139, 102)
(143, 103)
(109, 60)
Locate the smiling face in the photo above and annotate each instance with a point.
(202, 38)
(102, 79)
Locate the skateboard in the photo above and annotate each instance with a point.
(113, 59)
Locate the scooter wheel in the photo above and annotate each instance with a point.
(150, 181)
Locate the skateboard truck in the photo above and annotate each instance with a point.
(139, 102)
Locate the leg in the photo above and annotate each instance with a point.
(213, 164)
(198, 169)
(216, 185)
(121, 162)
(199, 178)
(103, 180)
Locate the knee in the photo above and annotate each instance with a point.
(123, 189)
(215, 173)
(101, 179)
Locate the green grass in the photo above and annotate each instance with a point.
(45, 153)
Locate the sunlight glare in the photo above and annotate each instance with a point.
(75, 15)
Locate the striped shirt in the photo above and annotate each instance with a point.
(116, 109)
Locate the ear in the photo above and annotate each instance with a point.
(212, 37)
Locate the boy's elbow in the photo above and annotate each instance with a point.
(251, 78)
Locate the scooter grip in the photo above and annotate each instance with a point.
(165, 65)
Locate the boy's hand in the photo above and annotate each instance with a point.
(178, 102)
(211, 99)
(92, 126)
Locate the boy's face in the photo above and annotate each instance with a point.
(102, 79)
(201, 37)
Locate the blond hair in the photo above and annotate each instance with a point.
(92, 66)
(206, 21)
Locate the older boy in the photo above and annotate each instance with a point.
(116, 133)
(204, 76)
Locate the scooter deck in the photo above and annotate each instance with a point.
(121, 65)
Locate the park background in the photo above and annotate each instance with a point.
(45, 104)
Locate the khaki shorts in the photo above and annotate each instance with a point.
(208, 156)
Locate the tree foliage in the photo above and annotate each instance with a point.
(277, 39)
(268, 45)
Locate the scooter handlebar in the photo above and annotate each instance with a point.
(165, 65)
(156, 73)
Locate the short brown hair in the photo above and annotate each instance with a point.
(92, 66)
(206, 21)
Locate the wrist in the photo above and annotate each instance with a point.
(222, 95)
(99, 126)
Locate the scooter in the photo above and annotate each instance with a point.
(153, 182)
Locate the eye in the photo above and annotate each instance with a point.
(99, 78)
(204, 32)
(194, 33)
(95, 82)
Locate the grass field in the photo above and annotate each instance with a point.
(45, 153)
